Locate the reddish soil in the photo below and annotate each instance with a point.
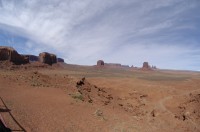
(94, 99)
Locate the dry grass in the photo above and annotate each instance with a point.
(78, 96)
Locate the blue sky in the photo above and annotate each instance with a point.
(163, 32)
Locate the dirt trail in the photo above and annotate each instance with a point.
(162, 101)
(161, 104)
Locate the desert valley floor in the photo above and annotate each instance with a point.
(72, 98)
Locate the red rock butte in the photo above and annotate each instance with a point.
(47, 58)
(100, 63)
(10, 54)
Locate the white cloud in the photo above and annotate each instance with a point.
(83, 31)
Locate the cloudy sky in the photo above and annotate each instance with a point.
(166, 33)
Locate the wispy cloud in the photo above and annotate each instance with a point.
(129, 31)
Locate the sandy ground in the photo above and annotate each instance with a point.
(56, 99)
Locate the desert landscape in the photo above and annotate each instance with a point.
(46, 95)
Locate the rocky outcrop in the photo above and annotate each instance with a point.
(100, 63)
(146, 66)
(113, 64)
(47, 58)
(32, 58)
(91, 93)
(125, 66)
(60, 60)
(154, 67)
(10, 54)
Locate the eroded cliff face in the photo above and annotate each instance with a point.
(10, 54)
(47, 58)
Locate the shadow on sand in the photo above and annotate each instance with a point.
(3, 127)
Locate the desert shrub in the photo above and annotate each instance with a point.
(78, 96)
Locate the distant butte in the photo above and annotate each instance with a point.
(11, 55)
(100, 63)
(146, 66)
